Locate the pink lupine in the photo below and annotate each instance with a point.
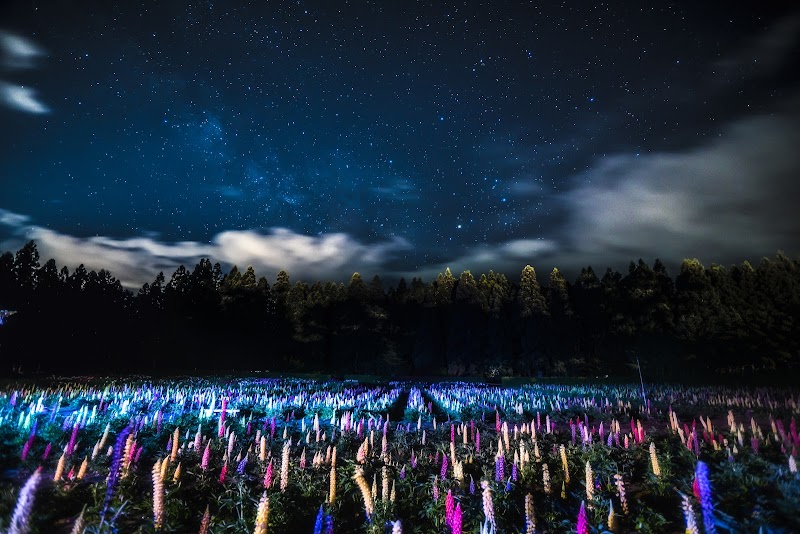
(268, 475)
(456, 525)
(206, 457)
(224, 473)
(449, 508)
(583, 521)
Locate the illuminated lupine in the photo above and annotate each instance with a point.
(546, 479)
(206, 457)
(285, 467)
(365, 492)
(22, 511)
(262, 515)
(158, 496)
(688, 515)
(621, 491)
(80, 523)
(489, 524)
(589, 483)
(563, 452)
(583, 522)
(654, 460)
(706, 505)
(530, 517)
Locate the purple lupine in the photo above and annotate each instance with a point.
(514, 472)
(452, 433)
(113, 472)
(328, 524)
(456, 525)
(22, 511)
(444, 467)
(508, 485)
(704, 489)
(477, 441)
(72, 438)
(241, 466)
(47, 451)
(318, 522)
(471, 486)
(583, 521)
(499, 468)
(403, 473)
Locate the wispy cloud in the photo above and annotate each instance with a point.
(726, 200)
(21, 98)
(17, 52)
(137, 260)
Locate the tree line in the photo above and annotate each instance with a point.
(706, 322)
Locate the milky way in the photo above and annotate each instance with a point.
(396, 138)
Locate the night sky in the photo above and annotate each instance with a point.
(398, 138)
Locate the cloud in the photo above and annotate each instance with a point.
(17, 52)
(727, 200)
(507, 257)
(766, 52)
(21, 98)
(137, 260)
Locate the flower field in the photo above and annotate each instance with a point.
(295, 455)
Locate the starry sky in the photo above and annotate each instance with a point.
(398, 138)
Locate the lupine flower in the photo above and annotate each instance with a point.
(688, 515)
(82, 470)
(449, 509)
(621, 490)
(704, 487)
(471, 485)
(285, 467)
(240, 468)
(546, 479)
(205, 522)
(223, 473)
(158, 496)
(563, 452)
(59, 468)
(583, 521)
(22, 511)
(47, 451)
(457, 524)
(397, 527)
(206, 457)
(488, 506)
(589, 482)
(80, 523)
(444, 466)
(268, 475)
(328, 524)
(435, 488)
(332, 489)
(499, 468)
(318, 521)
(365, 492)
(654, 460)
(530, 518)
(262, 515)
(72, 439)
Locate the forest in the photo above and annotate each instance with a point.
(714, 322)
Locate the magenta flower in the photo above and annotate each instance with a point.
(449, 509)
(583, 521)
